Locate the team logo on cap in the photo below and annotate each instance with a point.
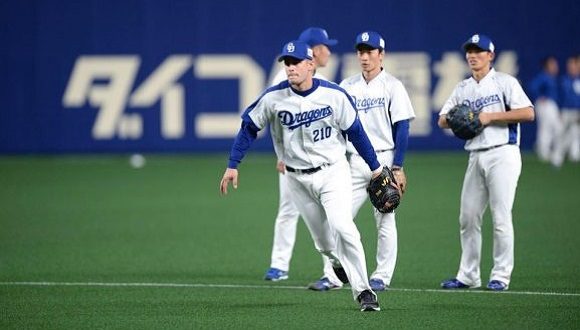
(382, 43)
(475, 38)
(290, 48)
(365, 37)
(310, 54)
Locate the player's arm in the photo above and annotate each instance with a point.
(401, 134)
(442, 122)
(246, 136)
(452, 101)
(518, 106)
(509, 117)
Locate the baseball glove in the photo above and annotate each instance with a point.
(384, 192)
(464, 122)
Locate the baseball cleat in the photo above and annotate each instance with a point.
(341, 274)
(275, 274)
(323, 284)
(453, 284)
(378, 284)
(496, 285)
(368, 301)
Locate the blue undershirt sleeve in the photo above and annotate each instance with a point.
(401, 135)
(362, 144)
(242, 143)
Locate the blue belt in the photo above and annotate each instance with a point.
(306, 170)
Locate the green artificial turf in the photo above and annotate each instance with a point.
(89, 242)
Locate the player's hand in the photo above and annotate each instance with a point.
(230, 175)
(401, 179)
(376, 172)
(281, 167)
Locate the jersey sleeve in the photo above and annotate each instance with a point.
(401, 107)
(258, 113)
(347, 114)
(515, 97)
(452, 101)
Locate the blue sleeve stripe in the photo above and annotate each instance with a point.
(513, 133)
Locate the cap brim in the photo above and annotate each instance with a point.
(366, 44)
(331, 42)
(474, 45)
(282, 57)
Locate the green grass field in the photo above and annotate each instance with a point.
(89, 242)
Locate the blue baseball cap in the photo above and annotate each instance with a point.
(316, 36)
(296, 49)
(480, 41)
(370, 38)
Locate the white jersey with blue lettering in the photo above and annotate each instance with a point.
(277, 143)
(380, 103)
(309, 125)
(496, 92)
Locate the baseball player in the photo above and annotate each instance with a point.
(494, 164)
(544, 91)
(569, 140)
(312, 116)
(287, 217)
(384, 109)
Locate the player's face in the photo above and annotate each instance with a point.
(321, 55)
(298, 71)
(478, 59)
(370, 59)
(573, 66)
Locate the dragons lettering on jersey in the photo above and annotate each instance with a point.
(303, 118)
(482, 102)
(368, 103)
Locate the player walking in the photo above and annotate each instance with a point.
(494, 164)
(287, 217)
(311, 116)
(384, 109)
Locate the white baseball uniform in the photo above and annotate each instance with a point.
(309, 127)
(569, 140)
(544, 89)
(492, 174)
(380, 103)
(287, 217)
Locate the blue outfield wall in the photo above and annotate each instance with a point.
(173, 76)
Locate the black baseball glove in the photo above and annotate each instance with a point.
(384, 191)
(464, 122)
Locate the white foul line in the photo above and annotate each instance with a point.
(245, 286)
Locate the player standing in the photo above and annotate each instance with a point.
(311, 116)
(494, 164)
(569, 140)
(287, 217)
(384, 109)
(544, 91)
